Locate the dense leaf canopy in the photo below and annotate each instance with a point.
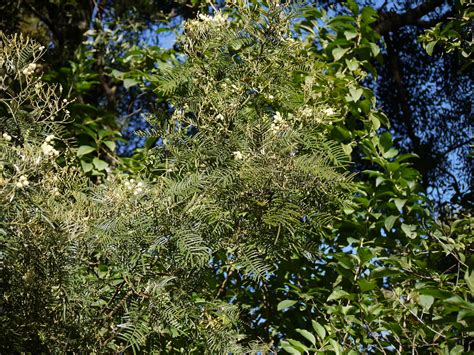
(276, 196)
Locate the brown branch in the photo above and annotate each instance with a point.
(222, 288)
(392, 21)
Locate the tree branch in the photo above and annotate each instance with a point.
(392, 21)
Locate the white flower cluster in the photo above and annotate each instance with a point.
(7, 137)
(22, 182)
(218, 18)
(136, 187)
(30, 69)
(278, 123)
(307, 112)
(238, 155)
(47, 148)
(329, 111)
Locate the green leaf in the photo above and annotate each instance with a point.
(117, 74)
(437, 293)
(375, 49)
(379, 180)
(352, 64)
(110, 145)
(336, 347)
(375, 121)
(307, 335)
(99, 164)
(389, 222)
(298, 345)
(386, 141)
(102, 133)
(355, 93)
(86, 166)
(350, 35)
(426, 301)
(339, 52)
(391, 153)
(366, 285)
(289, 349)
(369, 15)
(128, 83)
(319, 329)
(469, 278)
(399, 202)
(352, 5)
(337, 294)
(285, 304)
(430, 47)
(84, 149)
(409, 230)
(347, 148)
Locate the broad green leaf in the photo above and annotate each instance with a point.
(437, 293)
(352, 5)
(352, 64)
(430, 47)
(366, 285)
(102, 133)
(409, 230)
(426, 301)
(285, 304)
(391, 153)
(355, 93)
(338, 53)
(84, 149)
(307, 335)
(379, 180)
(399, 202)
(457, 350)
(375, 121)
(375, 49)
(100, 164)
(369, 15)
(337, 294)
(86, 167)
(350, 35)
(389, 222)
(288, 348)
(298, 345)
(110, 145)
(319, 329)
(386, 141)
(336, 347)
(117, 74)
(128, 83)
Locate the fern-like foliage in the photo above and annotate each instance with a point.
(258, 173)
